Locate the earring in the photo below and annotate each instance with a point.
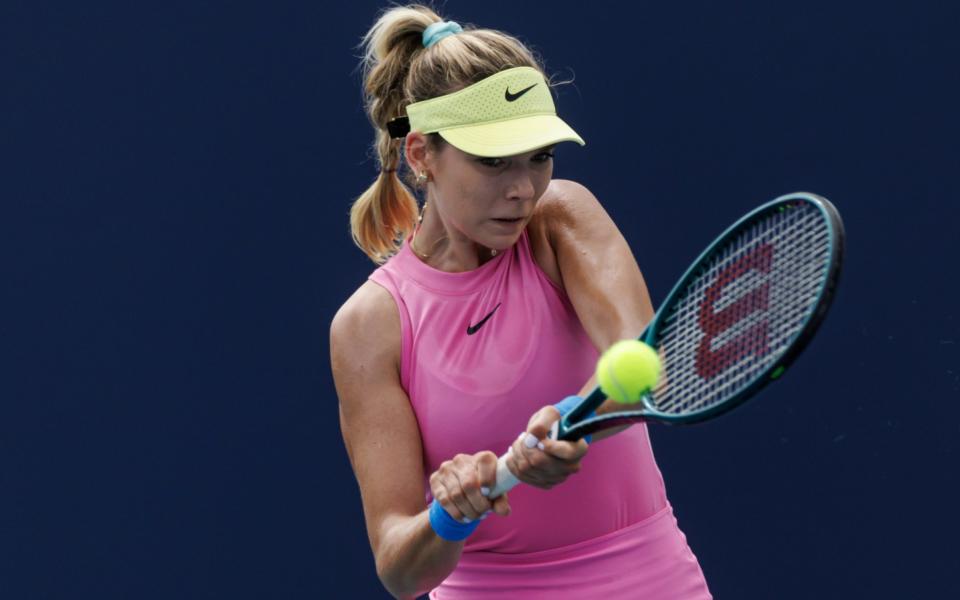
(422, 177)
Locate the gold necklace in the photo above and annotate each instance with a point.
(415, 251)
(493, 252)
(417, 230)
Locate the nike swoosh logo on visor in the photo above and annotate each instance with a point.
(472, 329)
(511, 97)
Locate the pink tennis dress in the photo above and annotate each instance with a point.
(482, 351)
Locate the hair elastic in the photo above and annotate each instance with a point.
(437, 31)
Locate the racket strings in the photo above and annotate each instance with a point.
(739, 348)
(742, 309)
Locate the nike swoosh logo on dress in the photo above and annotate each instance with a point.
(472, 329)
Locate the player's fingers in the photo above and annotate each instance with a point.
(442, 495)
(457, 498)
(467, 493)
(486, 471)
(566, 451)
(447, 490)
(536, 467)
(559, 476)
(540, 423)
(513, 463)
(523, 461)
(501, 506)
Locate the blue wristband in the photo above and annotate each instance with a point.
(567, 404)
(447, 527)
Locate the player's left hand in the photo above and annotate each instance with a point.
(542, 462)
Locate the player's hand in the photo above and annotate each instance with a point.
(459, 485)
(542, 462)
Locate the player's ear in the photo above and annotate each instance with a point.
(417, 152)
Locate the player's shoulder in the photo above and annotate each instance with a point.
(366, 323)
(370, 304)
(566, 204)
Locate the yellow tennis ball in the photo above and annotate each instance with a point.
(627, 370)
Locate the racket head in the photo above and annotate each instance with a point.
(739, 316)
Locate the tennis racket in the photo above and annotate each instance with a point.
(734, 322)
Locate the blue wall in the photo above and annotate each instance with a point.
(175, 241)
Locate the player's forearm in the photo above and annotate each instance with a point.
(412, 558)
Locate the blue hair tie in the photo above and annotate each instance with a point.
(437, 31)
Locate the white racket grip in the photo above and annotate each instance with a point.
(506, 480)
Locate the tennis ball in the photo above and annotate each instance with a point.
(627, 370)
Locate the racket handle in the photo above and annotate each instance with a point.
(506, 480)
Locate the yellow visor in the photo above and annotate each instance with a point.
(508, 113)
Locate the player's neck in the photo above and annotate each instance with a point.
(445, 249)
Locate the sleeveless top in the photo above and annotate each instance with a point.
(481, 352)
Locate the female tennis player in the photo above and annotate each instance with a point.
(488, 310)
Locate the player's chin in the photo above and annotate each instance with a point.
(503, 233)
(507, 226)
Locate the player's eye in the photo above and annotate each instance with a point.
(491, 162)
(543, 157)
(495, 163)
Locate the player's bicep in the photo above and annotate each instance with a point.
(599, 271)
(376, 420)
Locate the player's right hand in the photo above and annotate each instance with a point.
(459, 486)
(541, 462)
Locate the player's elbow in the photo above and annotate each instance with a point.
(386, 576)
(394, 581)
(411, 559)
(393, 565)
(407, 572)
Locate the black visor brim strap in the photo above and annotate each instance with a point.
(399, 127)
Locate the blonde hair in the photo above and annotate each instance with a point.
(398, 71)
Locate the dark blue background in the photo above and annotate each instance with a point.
(175, 190)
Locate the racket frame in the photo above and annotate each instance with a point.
(574, 425)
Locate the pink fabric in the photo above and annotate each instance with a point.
(477, 392)
(649, 560)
